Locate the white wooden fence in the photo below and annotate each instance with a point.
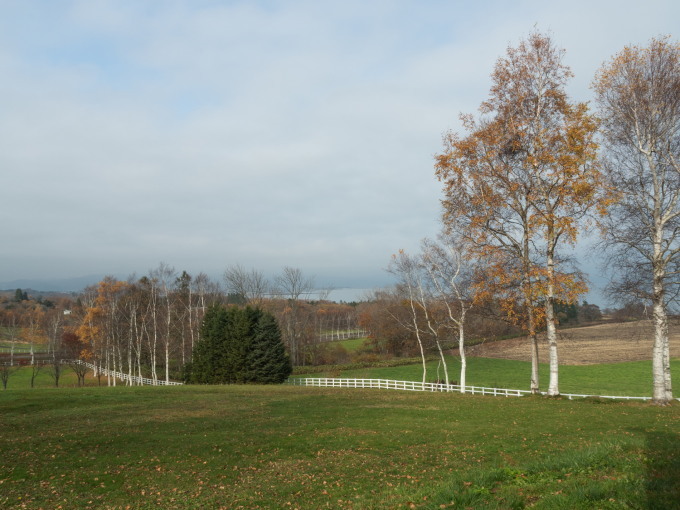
(388, 384)
(134, 379)
(381, 384)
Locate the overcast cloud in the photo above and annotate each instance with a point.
(209, 133)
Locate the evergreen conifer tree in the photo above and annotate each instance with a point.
(267, 358)
(239, 345)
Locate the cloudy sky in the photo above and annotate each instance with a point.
(207, 133)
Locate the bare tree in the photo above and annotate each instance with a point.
(74, 350)
(250, 285)
(410, 283)
(293, 286)
(12, 332)
(638, 94)
(53, 328)
(207, 293)
(6, 370)
(451, 275)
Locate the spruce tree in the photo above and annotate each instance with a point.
(238, 346)
(267, 360)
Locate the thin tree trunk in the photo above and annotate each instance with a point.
(529, 303)
(422, 354)
(461, 350)
(168, 321)
(446, 369)
(551, 330)
(660, 382)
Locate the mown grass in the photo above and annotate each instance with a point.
(20, 378)
(624, 379)
(350, 345)
(308, 448)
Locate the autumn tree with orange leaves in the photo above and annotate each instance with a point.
(101, 328)
(517, 185)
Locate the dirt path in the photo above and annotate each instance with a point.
(604, 343)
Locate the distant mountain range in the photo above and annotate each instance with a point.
(53, 284)
(67, 285)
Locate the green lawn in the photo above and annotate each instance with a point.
(290, 447)
(20, 378)
(350, 345)
(625, 379)
(19, 348)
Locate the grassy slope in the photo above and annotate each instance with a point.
(21, 378)
(350, 345)
(268, 447)
(627, 379)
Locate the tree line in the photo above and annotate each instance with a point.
(150, 326)
(523, 179)
(529, 173)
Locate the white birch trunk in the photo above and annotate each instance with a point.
(130, 366)
(191, 325)
(661, 376)
(168, 321)
(551, 330)
(461, 350)
(661, 387)
(533, 340)
(422, 351)
(529, 303)
(414, 316)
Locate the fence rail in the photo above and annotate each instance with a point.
(389, 384)
(348, 334)
(125, 377)
(134, 379)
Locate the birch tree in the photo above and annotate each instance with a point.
(102, 326)
(293, 285)
(450, 275)
(516, 185)
(12, 332)
(54, 328)
(410, 285)
(638, 94)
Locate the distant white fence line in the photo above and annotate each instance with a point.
(121, 376)
(389, 384)
(134, 379)
(345, 334)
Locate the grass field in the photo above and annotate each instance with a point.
(352, 344)
(626, 379)
(7, 347)
(308, 448)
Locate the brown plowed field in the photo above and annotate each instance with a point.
(604, 343)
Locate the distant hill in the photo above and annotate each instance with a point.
(53, 284)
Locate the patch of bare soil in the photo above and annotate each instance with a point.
(603, 343)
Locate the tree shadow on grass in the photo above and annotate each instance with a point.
(663, 470)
